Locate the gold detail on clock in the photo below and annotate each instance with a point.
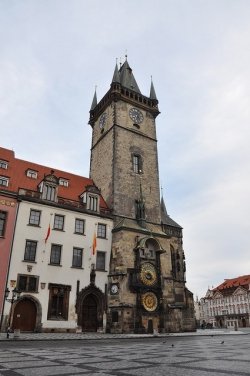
(149, 301)
(148, 274)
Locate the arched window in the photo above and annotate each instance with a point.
(137, 163)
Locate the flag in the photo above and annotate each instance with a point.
(94, 244)
(48, 234)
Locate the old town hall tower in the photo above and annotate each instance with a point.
(146, 290)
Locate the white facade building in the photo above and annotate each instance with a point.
(64, 261)
(60, 252)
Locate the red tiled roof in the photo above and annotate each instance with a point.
(234, 282)
(16, 172)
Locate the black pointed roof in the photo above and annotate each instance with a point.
(152, 94)
(116, 76)
(126, 77)
(94, 102)
(165, 218)
(124, 86)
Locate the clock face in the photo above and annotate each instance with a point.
(149, 301)
(148, 274)
(114, 289)
(102, 120)
(136, 115)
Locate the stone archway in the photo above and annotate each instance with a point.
(27, 314)
(90, 309)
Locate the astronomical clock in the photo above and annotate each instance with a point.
(145, 278)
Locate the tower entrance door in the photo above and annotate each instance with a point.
(89, 314)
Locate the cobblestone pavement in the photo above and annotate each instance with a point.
(82, 336)
(169, 356)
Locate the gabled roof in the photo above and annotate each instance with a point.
(17, 175)
(243, 281)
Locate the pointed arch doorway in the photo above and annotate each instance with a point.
(89, 314)
(90, 308)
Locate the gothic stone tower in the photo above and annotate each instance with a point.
(146, 289)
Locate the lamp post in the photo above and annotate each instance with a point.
(15, 295)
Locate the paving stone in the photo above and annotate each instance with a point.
(196, 356)
(46, 371)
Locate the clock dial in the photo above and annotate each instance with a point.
(102, 120)
(114, 289)
(149, 301)
(136, 115)
(148, 274)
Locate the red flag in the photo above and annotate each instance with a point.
(94, 244)
(48, 234)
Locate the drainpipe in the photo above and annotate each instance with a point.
(7, 275)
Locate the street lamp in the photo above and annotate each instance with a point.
(15, 295)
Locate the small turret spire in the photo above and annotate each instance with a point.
(116, 75)
(152, 91)
(94, 102)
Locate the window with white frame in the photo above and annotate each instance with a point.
(100, 260)
(31, 174)
(3, 164)
(4, 181)
(55, 255)
(30, 250)
(77, 257)
(58, 222)
(34, 218)
(79, 226)
(101, 230)
(63, 182)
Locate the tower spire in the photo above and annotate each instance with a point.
(152, 94)
(127, 78)
(116, 75)
(94, 102)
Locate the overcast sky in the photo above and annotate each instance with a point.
(54, 52)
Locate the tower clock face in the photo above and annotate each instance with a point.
(102, 120)
(136, 115)
(149, 301)
(148, 274)
(114, 289)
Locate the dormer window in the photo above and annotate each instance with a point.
(31, 174)
(49, 192)
(91, 198)
(3, 164)
(63, 182)
(48, 187)
(92, 202)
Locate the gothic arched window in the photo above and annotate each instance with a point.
(137, 163)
